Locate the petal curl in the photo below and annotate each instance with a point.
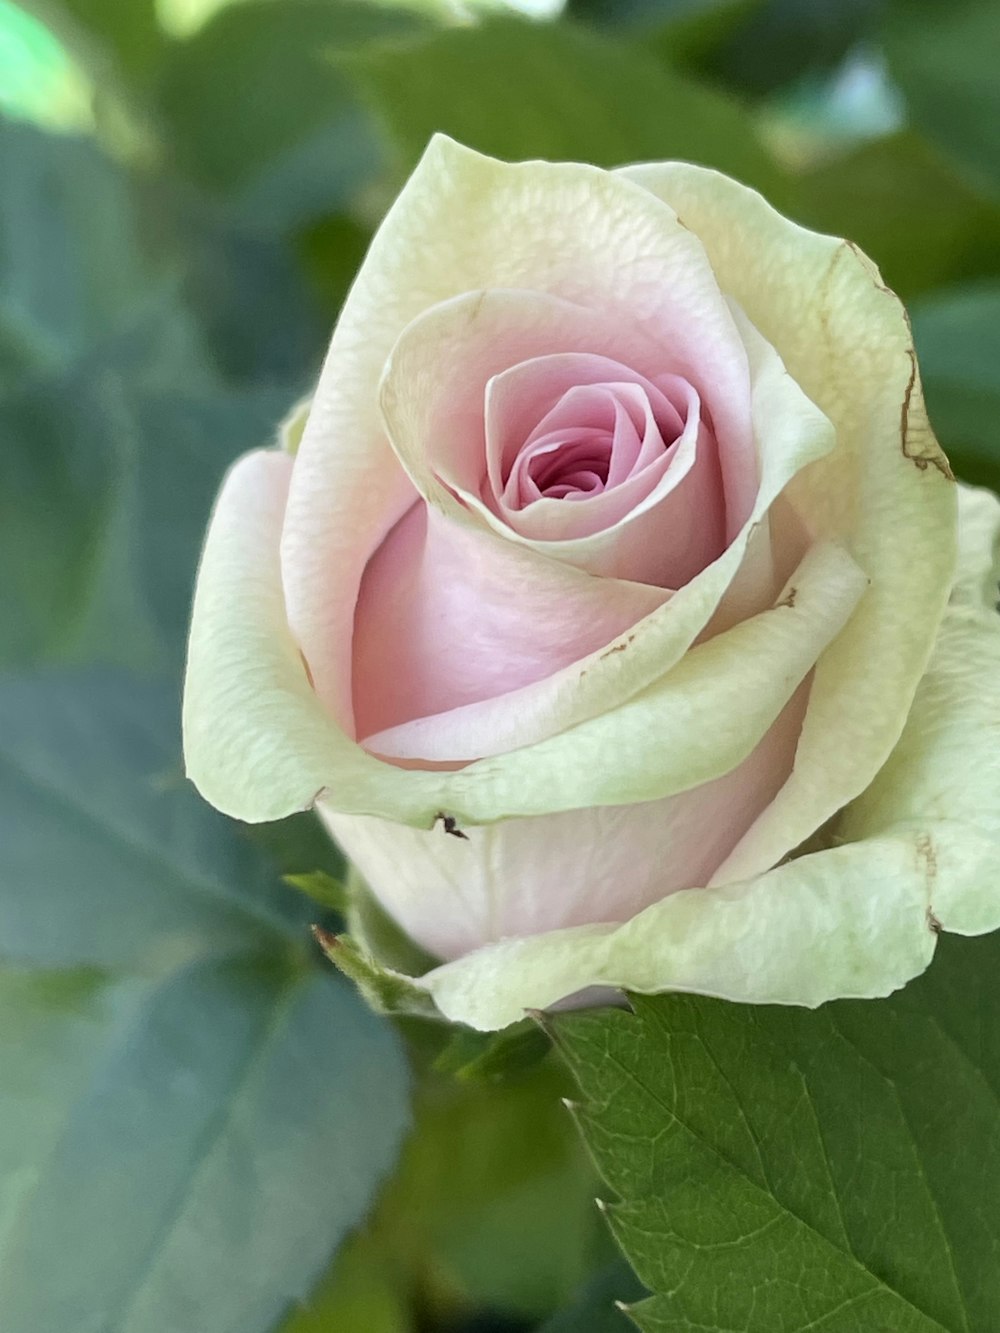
(259, 744)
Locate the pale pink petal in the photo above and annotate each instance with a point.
(433, 395)
(464, 223)
(451, 614)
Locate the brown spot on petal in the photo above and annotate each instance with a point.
(617, 647)
(450, 825)
(926, 856)
(933, 924)
(789, 597)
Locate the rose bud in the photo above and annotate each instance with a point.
(602, 611)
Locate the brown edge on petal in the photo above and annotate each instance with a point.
(920, 446)
(917, 442)
(312, 803)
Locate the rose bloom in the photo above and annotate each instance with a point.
(605, 603)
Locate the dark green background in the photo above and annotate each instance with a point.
(195, 1114)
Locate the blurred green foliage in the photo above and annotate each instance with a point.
(180, 218)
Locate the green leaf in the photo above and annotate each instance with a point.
(784, 40)
(957, 333)
(486, 1056)
(494, 1196)
(63, 464)
(107, 488)
(322, 889)
(183, 1152)
(261, 322)
(182, 444)
(361, 1292)
(681, 28)
(280, 105)
(117, 44)
(521, 90)
(781, 1169)
(72, 267)
(907, 208)
(109, 856)
(595, 1309)
(945, 59)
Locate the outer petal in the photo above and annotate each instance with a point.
(886, 490)
(701, 722)
(922, 853)
(523, 876)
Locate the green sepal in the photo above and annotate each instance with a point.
(386, 991)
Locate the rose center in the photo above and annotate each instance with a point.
(594, 438)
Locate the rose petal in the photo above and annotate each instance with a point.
(524, 876)
(886, 489)
(694, 724)
(490, 345)
(474, 223)
(858, 919)
(242, 651)
(450, 615)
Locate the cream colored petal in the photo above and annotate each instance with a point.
(804, 933)
(978, 571)
(259, 745)
(919, 851)
(886, 491)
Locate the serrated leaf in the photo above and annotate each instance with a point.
(523, 90)
(780, 1169)
(597, 1308)
(108, 854)
(183, 1151)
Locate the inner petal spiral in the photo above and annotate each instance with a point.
(593, 439)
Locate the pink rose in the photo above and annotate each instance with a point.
(607, 567)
